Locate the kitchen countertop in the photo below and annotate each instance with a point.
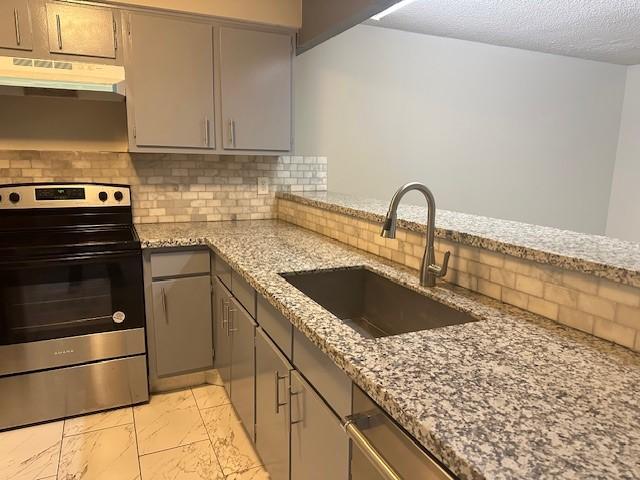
(605, 257)
(511, 396)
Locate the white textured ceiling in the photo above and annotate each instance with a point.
(604, 30)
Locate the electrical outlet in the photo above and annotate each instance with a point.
(263, 186)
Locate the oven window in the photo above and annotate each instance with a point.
(44, 300)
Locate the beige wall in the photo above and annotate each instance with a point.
(41, 123)
(285, 13)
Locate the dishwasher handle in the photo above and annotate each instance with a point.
(369, 451)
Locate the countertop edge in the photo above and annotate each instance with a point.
(610, 272)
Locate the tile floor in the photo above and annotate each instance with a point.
(190, 434)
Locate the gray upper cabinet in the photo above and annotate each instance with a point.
(15, 25)
(319, 445)
(81, 30)
(272, 407)
(242, 328)
(183, 337)
(169, 66)
(255, 73)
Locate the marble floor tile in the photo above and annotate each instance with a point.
(258, 473)
(30, 453)
(231, 443)
(208, 396)
(169, 420)
(98, 421)
(191, 462)
(107, 454)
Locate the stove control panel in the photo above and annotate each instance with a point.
(41, 195)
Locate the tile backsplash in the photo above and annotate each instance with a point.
(176, 187)
(594, 305)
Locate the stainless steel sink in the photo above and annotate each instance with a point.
(373, 305)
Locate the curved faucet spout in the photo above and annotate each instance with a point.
(429, 269)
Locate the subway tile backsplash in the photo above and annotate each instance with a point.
(176, 187)
(594, 305)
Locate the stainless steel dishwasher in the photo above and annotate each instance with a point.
(383, 451)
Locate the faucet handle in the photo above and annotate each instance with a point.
(441, 271)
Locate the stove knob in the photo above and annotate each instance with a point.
(14, 197)
(118, 196)
(103, 196)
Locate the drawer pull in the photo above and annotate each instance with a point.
(277, 378)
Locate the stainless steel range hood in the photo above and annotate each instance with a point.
(52, 75)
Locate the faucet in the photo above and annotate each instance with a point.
(429, 270)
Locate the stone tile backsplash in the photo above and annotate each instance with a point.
(595, 305)
(176, 187)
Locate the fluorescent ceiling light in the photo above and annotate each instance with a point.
(392, 9)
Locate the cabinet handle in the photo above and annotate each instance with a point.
(115, 34)
(294, 394)
(59, 32)
(223, 306)
(232, 133)
(206, 132)
(277, 378)
(164, 305)
(231, 321)
(16, 19)
(225, 315)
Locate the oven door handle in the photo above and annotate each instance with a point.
(94, 256)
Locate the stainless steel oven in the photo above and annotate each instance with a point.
(72, 319)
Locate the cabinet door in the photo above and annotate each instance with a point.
(272, 407)
(182, 324)
(255, 70)
(81, 30)
(15, 25)
(319, 445)
(170, 75)
(222, 335)
(242, 328)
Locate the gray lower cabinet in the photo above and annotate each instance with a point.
(255, 78)
(242, 329)
(15, 25)
(272, 407)
(88, 31)
(221, 334)
(169, 65)
(319, 445)
(182, 325)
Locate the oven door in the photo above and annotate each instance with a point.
(59, 308)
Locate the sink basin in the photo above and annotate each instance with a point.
(371, 304)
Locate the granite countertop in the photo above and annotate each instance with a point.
(605, 257)
(511, 396)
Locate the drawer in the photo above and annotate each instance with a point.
(177, 263)
(222, 270)
(277, 327)
(320, 371)
(244, 292)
